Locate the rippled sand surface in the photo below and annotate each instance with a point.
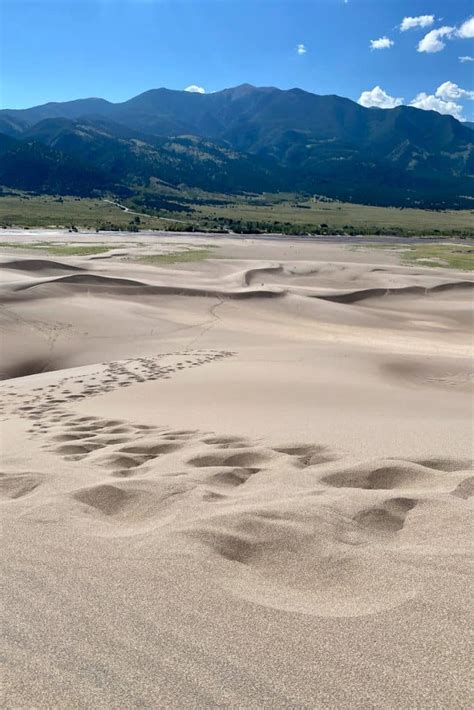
(239, 482)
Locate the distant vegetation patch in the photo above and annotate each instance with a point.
(275, 213)
(27, 210)
(57, 249)
(176, 257)
(454, 256)
(287, 213)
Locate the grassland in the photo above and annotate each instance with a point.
(49, 211)
(277, 213)
(176, 257)
(336, 217)
(57, 249)
(454, 256)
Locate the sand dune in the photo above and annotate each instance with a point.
(42, 266)
(242, 482)
(354, 296)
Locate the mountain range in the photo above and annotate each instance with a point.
(244, 139)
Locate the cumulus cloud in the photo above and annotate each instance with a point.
(465, 59)
(466, 31)
(433, 42)
(194, 89)
(450, 90)
(381, 43)
(409, 23)
(431, 102)
(445, 100)
(301, 49)
(379, 98)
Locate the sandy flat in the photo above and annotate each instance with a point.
(240, 482)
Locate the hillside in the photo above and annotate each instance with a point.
(256, 139)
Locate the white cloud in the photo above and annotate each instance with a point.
(379, 98)
(450, 90)
(465, 59)
(301, 49)
(194, 89)
(466, 31)
(430, 102)
(382, 43)
(432, 41)
(409, 23)
(445, 100)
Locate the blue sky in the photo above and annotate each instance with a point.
(56, 50)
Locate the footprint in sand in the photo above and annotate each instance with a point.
(387, 518)
(14, 486)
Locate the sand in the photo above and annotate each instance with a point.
(241, 482)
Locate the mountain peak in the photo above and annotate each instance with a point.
(242, 88)
(247, 89)
(292, 139)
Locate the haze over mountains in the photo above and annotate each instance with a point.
(241, 139)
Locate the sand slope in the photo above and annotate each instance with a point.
(244, 482)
